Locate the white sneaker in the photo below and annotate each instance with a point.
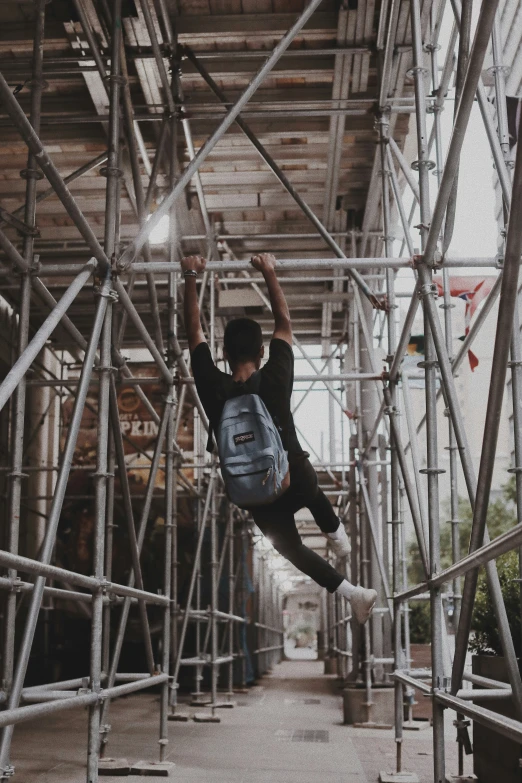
(362, 602)
(339, 541)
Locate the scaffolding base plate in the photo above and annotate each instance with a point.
(462, 779)
(371, 725)
(225, 705)
(114, 767)
(203, 701)
(181, 717)
(206, 717)
(160, 769)
(416, 725)
(398, 777)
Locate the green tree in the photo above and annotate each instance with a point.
(501, 517)
(486, 638)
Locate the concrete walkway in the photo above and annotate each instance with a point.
(287, 729)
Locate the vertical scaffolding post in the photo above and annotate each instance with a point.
(231, 602)
(170, 533)
(113, 175)
(18, 409)
(395, 521)
(101, 478)
(423, 166)
(214, 642)
(52, 523)
(499, 72)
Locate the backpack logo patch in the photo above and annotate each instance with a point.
(244, 437)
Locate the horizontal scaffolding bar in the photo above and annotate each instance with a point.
(343, 653)
(477, 694)
(21, 714)
(499, 546)
(25, 564)
(55, 592)
(407, 679)
(206, 661)
(282, 264)
(486, 682)
(508, 727)
(348, 376)
(268, 649)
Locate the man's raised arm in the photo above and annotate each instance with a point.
(192, 266)
(265, 263)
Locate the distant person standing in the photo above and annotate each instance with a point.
(263, 395)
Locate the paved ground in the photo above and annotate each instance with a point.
(287, 729)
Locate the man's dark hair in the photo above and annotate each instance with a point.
(243, 340)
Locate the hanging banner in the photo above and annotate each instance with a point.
(472, 290)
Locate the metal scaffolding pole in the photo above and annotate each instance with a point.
(19, 403)
(105, 368)
(53, 519)
(508, 298)
(187, 174)
(369, 484)
(423, 166)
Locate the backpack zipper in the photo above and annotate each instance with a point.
(267, 476)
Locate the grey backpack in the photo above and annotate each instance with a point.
(253, 461)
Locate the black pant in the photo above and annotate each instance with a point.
(277, 522)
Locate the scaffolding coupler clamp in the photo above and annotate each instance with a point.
(99, 289)
(16, 585)
(103, 584)
(36, 267)
(7, 772)
(443, 684)
(84, 688)
(430, 289)
(462, 725)
(438, 259)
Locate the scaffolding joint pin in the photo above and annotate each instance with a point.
(104, 585)
(418, 164)
(17, 474)
(111, 171)
(35, 268)
(30, 174)
(443, 684)
(417, 69)
(505, 69)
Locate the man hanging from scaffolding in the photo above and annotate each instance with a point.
(262, 462)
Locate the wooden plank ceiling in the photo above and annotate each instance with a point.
(328, 156)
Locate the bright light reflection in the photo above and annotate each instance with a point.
(160, 233)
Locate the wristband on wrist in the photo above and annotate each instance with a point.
(190, 273)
